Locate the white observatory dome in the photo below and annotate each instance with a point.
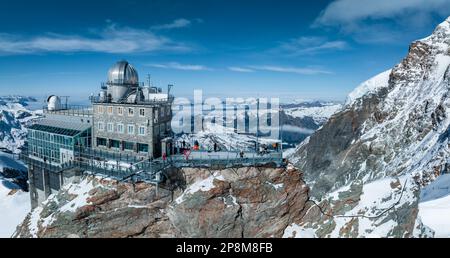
(53, 103)
(123, 73)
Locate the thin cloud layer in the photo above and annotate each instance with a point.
(178, 66)
(280, 69)
(176, 24)
(240, 69)
(296, 70)
(310, 46)
(112, 39)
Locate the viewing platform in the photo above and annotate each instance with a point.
(129, 167)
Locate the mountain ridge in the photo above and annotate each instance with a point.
(395, 133)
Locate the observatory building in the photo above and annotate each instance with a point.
(129, 117)
(128, 121)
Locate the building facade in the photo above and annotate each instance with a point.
(135, 129)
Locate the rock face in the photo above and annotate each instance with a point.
(392, 132)
(239, 202)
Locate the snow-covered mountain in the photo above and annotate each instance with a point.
(368, 164)
(298, 121)
(317, 110)
(14, 116)
(225, 138)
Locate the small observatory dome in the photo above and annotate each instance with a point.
(53, 103)
(122, 78)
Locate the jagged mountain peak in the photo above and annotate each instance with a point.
(393, 133)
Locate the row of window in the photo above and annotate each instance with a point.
(141, 147)
(49, 137)
(52, 155)
(120, 128)
(129, 111)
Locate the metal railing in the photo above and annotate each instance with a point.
(226, 159)
(130, 167)
(72, 110)
(154, 101)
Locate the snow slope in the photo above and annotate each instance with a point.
(14, 203)
(14, 207)
(436, 215)
(370, 86)
(434, 206)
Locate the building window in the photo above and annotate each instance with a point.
(142, 147)
(100, 109)
(130, 111)
(120, 111)
(156, 115)
(101, 142)
(110, 127)
(110, 110)
(115, 144)
(130, 129)
(128, 145)
(101, 126)
(120, 128)
(142, 130)
(142, 112)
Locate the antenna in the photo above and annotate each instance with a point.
(169, 87)
(149, 80)
(67, 100)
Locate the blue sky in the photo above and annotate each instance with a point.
(291, 49)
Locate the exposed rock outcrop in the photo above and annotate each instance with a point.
(239, 202)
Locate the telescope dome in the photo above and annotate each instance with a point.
(123, 73)
(53, 103)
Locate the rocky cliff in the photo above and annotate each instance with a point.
(366, 166)
(234, 202)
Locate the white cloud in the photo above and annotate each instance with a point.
(178, 66)
(176, 24)
(382, 21)
(240, 69)
(348, 11)
(296, 129)
(296, 70)
(309, 46)
(112, 39)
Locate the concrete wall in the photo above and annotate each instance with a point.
(43, 183)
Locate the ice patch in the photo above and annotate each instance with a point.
(296, 231)
(368, 87)
(202, 185)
